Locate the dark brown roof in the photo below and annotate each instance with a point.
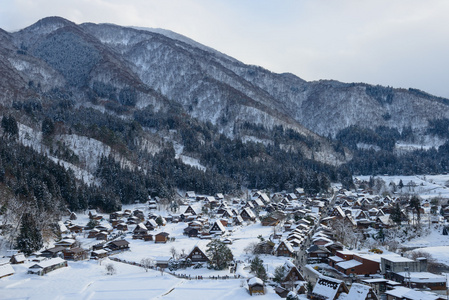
(54, 249)
(163, 233)
(120, 242)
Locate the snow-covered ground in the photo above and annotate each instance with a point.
(426, 186)
(89, 280)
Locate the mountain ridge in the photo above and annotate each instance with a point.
(140, 92)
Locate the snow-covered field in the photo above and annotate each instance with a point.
(88, 280)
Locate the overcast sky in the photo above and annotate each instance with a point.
(400, 43)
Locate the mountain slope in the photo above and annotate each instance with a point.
(137, 95)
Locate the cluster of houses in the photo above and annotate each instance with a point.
(300, 231)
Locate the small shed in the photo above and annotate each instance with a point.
(256, 286)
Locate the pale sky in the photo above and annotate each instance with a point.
(400, 43)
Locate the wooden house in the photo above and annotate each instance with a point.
(122, 227)
(161, 237)
(328, 288)
(270, 221)
(197, 255)
(190, 195)
(318, 253)
(190, 210)
(98, 254)
(361, 292)
(217, 228)
(293, 279)
(118, 245)
(191, 231)
(247, 214)
(140, 231)
(18, 258)
(284, 248)
(73, 216)
(47, 266)
(76, 228)
(93, 233)
(151, 224)
(75, 254)
(102, 236)
(52, 252)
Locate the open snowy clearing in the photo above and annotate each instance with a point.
(88, 280)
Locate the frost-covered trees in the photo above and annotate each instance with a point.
(30, 236)
(219, 254)
(147, 263)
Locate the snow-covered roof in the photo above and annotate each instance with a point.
(358, 291)
(349, 264)
(254, 281)
(371, 256)
(327, 287)
(403, 292)
(20, 257)
(396, 258)
(423, 277)
(48, 263)
(220, 226)
(336, 258)
(6, 269)
(62, 227)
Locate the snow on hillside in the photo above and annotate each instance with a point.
(426, 186)
(88, 150)
(439, 253)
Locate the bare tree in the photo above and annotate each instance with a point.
(147, 263)
(173, 252)
(251, 248)
(432, 264)
(110, 269)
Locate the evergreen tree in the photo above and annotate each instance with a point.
(48, 127)
(9, 125)
(279, 273)
(415, 204)
(380, 235)
(401, 184)
(219, 254)
(30, 237)
(396, 214)
(258, 269)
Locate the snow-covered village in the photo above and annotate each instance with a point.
(207, 149)
(341, 245)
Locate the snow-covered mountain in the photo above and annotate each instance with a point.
(97, 65)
